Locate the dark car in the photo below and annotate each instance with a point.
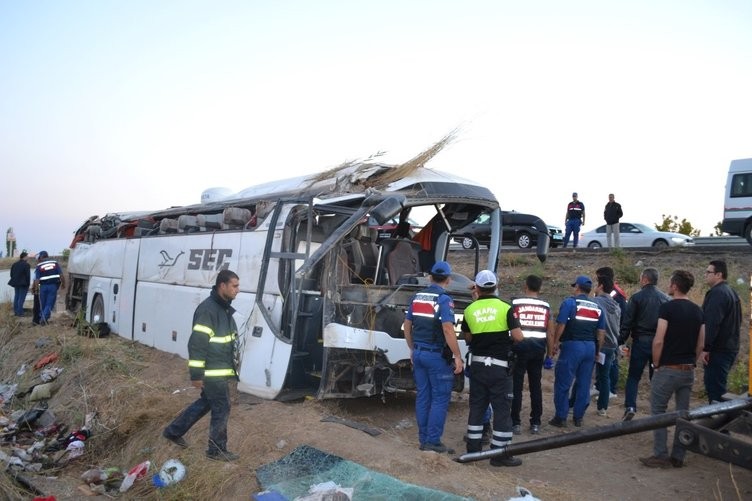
(518, 229)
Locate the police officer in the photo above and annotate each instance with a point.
(573, 220)
(490, 327)
(534, 315)
(429, 329)
(48, 277)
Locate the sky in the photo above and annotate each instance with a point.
(112, 106)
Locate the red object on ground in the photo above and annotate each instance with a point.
(47, 359)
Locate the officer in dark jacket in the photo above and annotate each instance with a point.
(640, 322)
(20, 279)
(211, 363)
(723, 317)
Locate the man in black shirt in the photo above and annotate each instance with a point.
(677, 344)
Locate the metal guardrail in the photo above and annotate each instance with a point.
(724, 241)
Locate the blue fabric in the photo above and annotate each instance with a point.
(640, 355)
(215, 397)
(716, 374)
(602, 377)
(47, 298)
(18, 300)
(575, 365)
(576, 312)
(427, 331)
(572, 227)
(434, 380)
(667, 382)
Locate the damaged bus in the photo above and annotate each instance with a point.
(323, 294)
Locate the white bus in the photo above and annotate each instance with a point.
(323, 295)
(737, 206)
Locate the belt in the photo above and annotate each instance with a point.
(424, 348)
(679, 367)
(489, 361)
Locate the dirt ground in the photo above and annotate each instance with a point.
(137, 390)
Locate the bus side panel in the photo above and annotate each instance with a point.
(164, 314)
(102, 259)
(124, 300)
(265, 358)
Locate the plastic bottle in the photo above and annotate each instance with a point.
(138, 471)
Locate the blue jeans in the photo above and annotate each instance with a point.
(434, 380)
(18, 300)
(47, 298)
(602, 377)
(572, 226)
(716, 374)
(215, 397)
(575, 365)
(640, 355)
(665, 383)
(614, 374)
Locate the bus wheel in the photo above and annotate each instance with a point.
(748, 233)
(97, 310)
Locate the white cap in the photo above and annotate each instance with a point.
(485, 279)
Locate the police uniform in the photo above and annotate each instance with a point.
(573, 221)
(582, 319)
(533, 314)
(434, 374)
(489, 320)
(48, 275)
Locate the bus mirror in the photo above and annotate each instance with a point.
(387, 209)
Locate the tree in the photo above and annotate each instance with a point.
(672, 223)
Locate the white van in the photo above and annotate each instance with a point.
(737, 208)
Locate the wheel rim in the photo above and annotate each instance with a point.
(660, 244)
(594, 245)
(97, 310)
(523, 241)
(467, 243)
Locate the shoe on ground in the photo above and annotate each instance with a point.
(558, 422)
(517, 429)
(594, 392)
(534, 429)
(629, 414)
(612, 396)
(578, 422)
(506, 461)
(656, 462)
(179, 441)
(602, 413)
(677, 463)
(222, 455)
(440, 448)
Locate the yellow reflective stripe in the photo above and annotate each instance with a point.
(219, 372)
(223, 339)
(196, 363)
(205, 329)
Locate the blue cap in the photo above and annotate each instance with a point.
(582, 280)
(441, 269)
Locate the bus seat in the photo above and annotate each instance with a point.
(236, 217)
(400, 258)
(188, 224)
(168, 225)
(210, 221)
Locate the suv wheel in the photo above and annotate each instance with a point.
(468, 243)
(523, 240)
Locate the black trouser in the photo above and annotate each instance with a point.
(528, 362)
(489, 384)
(215, 397)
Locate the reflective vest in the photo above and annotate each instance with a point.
(211, 347)
(487, 319)
(534, 315)
(48, 272)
